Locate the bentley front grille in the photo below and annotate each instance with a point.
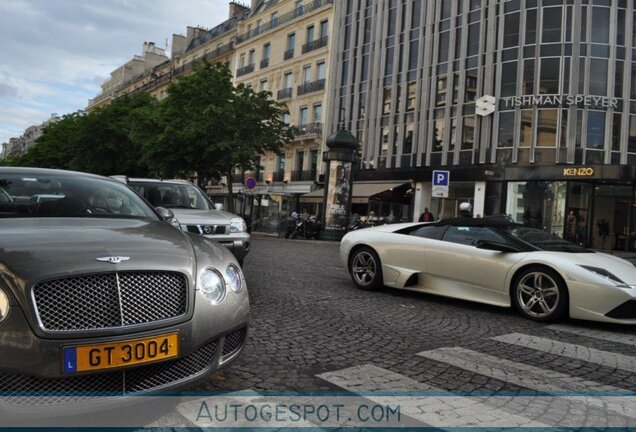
(24, 390)
(110, 300)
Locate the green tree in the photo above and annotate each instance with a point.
(211, 127)
(105, 142)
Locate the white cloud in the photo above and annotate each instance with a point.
(56, 53)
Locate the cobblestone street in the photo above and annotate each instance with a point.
(311, 329)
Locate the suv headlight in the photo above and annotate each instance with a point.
(234, 280)
(212, 286)
(4, 305)
(237, 225)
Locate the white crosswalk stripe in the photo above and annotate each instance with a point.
(622, 338)
(432, 410)
(564, 349)
(520, 374)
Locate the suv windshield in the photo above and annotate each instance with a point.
(543, 240)
(173, 195)
(58, 195)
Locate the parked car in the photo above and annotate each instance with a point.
(195, 212)
(494, 261)
(99, 294)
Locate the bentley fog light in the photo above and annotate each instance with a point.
(212, 286)
(4, 305)
(234, 281)
(237, 225)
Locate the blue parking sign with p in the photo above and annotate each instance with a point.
(441, 178)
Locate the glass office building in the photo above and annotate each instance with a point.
(530, 104)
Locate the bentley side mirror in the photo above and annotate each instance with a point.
(164, 213)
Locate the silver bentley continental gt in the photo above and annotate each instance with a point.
(497, 262)
(100, 293)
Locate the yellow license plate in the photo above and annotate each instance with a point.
(111, 355)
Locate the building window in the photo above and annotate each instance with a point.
(318, 113)
(525, 138)
(252, 57)
(595, 130)
(598, 77)
(531, 27)
(310, 34)
(600, 25)
(306, 74)
(506, 130)
(242, 61)
(473, 39)
(549, 76)
(324, 29)
(387, 101)
(547, 128)
(288, 81)
(304, 116)
(468, 135)
(631, 142)
(264, 85)
(438, 131)
(511, 30)
(267, 49)
(291, 41)
(321, 70)
(509, 79)
(300, 159)
(528, 77)
(411, 94)
(286, 118)
(299, 7)
(551, 24)
(274, 18)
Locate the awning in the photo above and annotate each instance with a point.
(362, 191)
(315, 197)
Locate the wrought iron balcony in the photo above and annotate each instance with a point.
(288, 54)
(315, 44)
(311, 87)
(283, 19)
(304, 175)
(285, 93)
(245, 70)
(301, 131)
(264, 63)
(278, 176)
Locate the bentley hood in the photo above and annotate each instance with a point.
(32, 250)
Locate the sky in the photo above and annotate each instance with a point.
(55, 54)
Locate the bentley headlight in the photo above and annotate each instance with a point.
(234, 280)
(4, 305)
(604, 273)
(237, 225)
(212, 286)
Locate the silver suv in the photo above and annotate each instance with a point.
(195, 212)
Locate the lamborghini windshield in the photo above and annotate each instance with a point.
(543, 240)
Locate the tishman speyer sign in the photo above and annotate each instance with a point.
(553, 101)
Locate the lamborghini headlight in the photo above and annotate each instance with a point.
(615, 280)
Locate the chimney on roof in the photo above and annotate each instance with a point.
(237, 9)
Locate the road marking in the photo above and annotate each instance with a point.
(564, 349)
(622, 338)
(520, 374)
(437, 411)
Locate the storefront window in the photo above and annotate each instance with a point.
(576, 220)
(538, 204)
